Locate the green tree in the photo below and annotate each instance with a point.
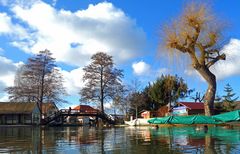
(228, 99)
(101, 80)
(168, 89)
(197, 33)
(149, 103)
(38, 81)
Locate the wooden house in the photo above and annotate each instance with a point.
(162, 111)
(188, 108)
(48, 109)
(19, 113)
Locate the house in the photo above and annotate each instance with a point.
(48, 109)
(83, 120)
(85, 108)
(12, 113)
(146, 114)
(162, 111)
(181, 108)
(188, 108)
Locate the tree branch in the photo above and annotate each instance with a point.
(213, 38)
(213, 61)
(179, 47)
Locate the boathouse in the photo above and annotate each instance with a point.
(12, 113)
(49, 109)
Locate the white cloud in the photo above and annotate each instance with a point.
(7, 74)
(6, 66)
(141, 68)
(54, 2)
(15, 31)
(74, 36)
(230, 66)
(4, 97)
(5, 23)
(73, 80)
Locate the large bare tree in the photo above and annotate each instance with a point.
(197, 33)
(101, 79)
(38, 81)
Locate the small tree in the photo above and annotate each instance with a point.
(136, 100)
(197, 34)
(38, 81)
(228, 99)
(135, 97)
(101, 79)
(119, 100)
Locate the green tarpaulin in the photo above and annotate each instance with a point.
(198, 119)
(228, 116)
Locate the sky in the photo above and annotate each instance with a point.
(128, 30)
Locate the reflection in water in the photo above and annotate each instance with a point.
(119, 140)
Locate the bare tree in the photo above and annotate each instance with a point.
(101, 79)
(38, 81)
(197, 33)
(119, 100)
(135, 96)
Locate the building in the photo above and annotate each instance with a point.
(48, 109)
(162, 111)
(188, 108)
(181, 108)
(146, 114)
(12, 113)
(85, 108)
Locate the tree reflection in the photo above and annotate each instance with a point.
(118, 140)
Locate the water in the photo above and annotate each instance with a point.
(123, 140)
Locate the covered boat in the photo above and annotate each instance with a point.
(198, 119)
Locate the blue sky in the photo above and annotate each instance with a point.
(128, 30)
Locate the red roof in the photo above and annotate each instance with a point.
(85, 108)
(193, 105)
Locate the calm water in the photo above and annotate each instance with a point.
(122, 140)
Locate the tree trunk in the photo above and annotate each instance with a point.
(136, 108)
(211, 91)
(102, 108)
(102, 93)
